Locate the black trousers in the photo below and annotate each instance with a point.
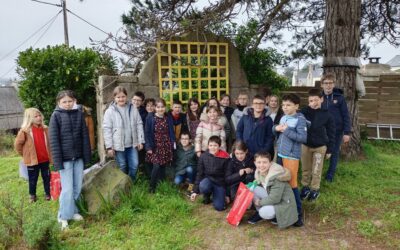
(157, 175)
(33, 174)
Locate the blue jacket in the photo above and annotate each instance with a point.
(149, 131)
(289, 142)
(322, 130)
(257, 134)
(336, 104)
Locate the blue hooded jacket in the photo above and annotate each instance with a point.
(336, 105)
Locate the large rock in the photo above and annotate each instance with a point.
(105, 181)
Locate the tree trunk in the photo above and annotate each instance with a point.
(342, 39)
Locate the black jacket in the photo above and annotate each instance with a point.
(212, 167)
(69, 137)
(336, 104)
(232, 175)
(322, 129)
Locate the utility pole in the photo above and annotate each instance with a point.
(64, 6)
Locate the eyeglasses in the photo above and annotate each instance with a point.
(258, 103)
(328, 83)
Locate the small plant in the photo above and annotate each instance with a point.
(366, 228)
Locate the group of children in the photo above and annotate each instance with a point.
(267, 141)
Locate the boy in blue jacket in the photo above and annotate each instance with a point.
(320, 142)
(336, 104)
(291, 132)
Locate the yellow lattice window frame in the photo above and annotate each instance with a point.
(192, 69)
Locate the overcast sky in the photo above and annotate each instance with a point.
(19, 19)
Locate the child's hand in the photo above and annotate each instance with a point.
(346, 138)
(110, 152)
(193, 196)
(241, 172)
(149, 152)
(284, 127)
(257, 203)
(140, 146)
(328, 156)
(248, 170)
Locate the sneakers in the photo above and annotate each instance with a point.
(298, 223)
(32, 199)
(48, 198)
(64, 224)
(314, 194)
(206, 199)
(274, 221)
(305, 192)
(189, 190)
(77, 217)
(254, 219)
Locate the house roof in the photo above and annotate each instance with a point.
(395, 61)
(11, 109)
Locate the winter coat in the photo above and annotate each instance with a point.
(336, 104)
(222, 120)
(256, 133)
(69, 137)
(184, 158)
(180, 125)
(114, 128)
(25, 146)
(212, 167)
(228, 111)
(289, 142)
(280, 194)
(143, 113)
(321, 132)
(232, 175)
(204, 131)
(149, 133)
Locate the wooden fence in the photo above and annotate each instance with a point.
(380, 105)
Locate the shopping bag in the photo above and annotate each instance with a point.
(55, 185)
(242, 201)
(23, 170)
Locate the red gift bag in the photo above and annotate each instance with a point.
(55, 185)
(242, 201)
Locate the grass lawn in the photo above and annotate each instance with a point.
(360, 210)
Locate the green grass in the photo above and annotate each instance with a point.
(364, 199)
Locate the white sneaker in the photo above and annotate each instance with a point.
(77, 217)
(64, 224)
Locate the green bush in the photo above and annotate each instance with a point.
(45, 72)
(6, 143)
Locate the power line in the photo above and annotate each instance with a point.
(94, 26)
(34, 33)
(58, 5)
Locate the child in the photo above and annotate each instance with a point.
(228, 111)
(336, 104)
(292, 132)
(185, 161)
(193, 116)
(137, 101)
(275, 109)
(206, 129)
(222, 120)
(238, 112)
(70, 149)
(240, 168)
(210, 179)
(123, 132)
(255, 127)
(273, 198)
(178, 118)
(160, 142)
(32, 143)
(320, 140)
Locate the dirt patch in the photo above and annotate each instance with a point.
(216, 233)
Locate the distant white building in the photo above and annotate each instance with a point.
(394, 63)
(307, 78)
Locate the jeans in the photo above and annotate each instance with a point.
(208, 187)
(266, 212)
(71, 186)
(335, 156)
(33, 174)
(157, 175)
(128, 161)
(189, 174)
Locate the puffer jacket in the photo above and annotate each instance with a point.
(212, 167)
(289, 142)
(114, 128)
(280, 194)
(204, 131)
(222, 120)
(232, 175)
(25, 146)
(336, 104)
(69, 137)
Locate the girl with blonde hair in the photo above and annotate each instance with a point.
(32, 143)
